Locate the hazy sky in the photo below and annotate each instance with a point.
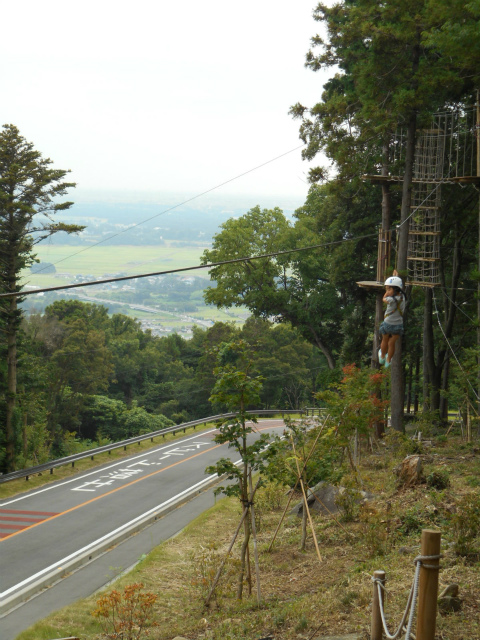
(157, 95)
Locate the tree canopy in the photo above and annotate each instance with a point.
(29, 192)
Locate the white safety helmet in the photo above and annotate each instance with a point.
(394, 281)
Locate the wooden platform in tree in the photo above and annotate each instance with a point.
(475, 180)
(371, 284)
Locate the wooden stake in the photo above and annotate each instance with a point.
(255, 549)
(296, 484)
(428, 586)
(305, 502)
(377, 603)
(220, 568)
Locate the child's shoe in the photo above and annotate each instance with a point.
(387, 362)
(381, 359)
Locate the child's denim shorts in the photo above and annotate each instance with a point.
(390, 329)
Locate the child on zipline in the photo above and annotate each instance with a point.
(392, 326)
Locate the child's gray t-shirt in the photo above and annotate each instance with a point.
(394, 310)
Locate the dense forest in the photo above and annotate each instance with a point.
(85, 377)
(74, 374)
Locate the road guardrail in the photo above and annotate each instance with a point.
(91, 453)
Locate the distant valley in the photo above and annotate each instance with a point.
(116, 243)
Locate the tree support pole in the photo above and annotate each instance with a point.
(296, 484)
(478, 285)
(220, 568)
(255, 546)
(306, 503)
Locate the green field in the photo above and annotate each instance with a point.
(128, 259)
(106, 262)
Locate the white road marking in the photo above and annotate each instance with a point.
(117, 464)
(58, 565)
(91, 473)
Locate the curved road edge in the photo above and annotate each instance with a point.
(22, 592)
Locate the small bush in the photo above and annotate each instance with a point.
(466, 525)
(349, 598)
(204, 566)
(301, 625)
(348, 501)
(127, 615)
(376, 530)
(400, 444)
(411, 522)
(438, 480)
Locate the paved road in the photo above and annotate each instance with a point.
(50, 531)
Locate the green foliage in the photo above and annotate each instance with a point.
(438, 480)
(311, 290)
(85, 373)
(392, 49)
(348, 499)
(353, 403)
(324, 465)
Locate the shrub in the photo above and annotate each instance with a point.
(348, 501)
(411, 522)
(438, 480)
(126, 615)
(204, 566)
(466, 525)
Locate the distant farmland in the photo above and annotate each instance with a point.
(128, 259)
(176, 307)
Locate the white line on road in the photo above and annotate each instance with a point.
(91, 473)
(58, 565)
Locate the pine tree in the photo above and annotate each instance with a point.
(29, 192)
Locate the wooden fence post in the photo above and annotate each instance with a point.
(428, 586)
(377, 602)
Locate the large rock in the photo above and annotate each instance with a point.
(409, 472)
(322, 498)
(448, 600)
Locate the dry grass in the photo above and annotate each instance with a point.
(302, 597)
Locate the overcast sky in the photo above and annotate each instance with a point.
(161, 96)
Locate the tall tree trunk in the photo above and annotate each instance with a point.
(323, 348)
(443, 396)
(417, 384)
(398, 384)
(11, 385)
(428, 352)
(409, 386)
(379, 426)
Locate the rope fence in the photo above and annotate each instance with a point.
(424, 587)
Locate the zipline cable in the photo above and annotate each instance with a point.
(180, 204)
(210, 265)
(451, 348)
